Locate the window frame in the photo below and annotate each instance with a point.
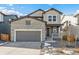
(50, 18)
(28, 23)
(53, 18)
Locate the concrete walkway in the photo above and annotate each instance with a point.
(20, 48)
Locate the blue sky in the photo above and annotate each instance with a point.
(23, 9)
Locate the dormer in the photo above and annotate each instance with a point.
(52, 16)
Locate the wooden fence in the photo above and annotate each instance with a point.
(5, 37)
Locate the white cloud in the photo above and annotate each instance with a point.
(1, 8)
(77, 12)
(11, 12)
(10, 4)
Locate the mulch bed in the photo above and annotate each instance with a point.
(59, 51)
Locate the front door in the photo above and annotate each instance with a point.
(47, 31)
(52, 31)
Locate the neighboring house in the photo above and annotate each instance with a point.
(71, 24)
(37, 26)
(5, 22)
(67, 21)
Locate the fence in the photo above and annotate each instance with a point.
(5, 37)
(69, 38)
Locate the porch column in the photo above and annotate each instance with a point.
(59, 34)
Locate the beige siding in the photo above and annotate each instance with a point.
(21, 24)
(38, 13)
(53, 13)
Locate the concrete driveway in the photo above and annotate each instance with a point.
(20, 48)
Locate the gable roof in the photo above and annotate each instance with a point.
(35, 17)
(8, 15)
(27, 17)
(53, 9)
(36, 11)
(12, 15)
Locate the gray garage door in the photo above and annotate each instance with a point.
(29, 36)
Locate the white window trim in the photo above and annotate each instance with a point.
(26, 30)
(52, 17)
(29, 24)
(56, 17)
(48, 17)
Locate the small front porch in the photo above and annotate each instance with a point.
(53, 32)
(54, 35)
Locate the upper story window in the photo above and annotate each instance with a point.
(54, 18)
(50, 18)
(28, 22)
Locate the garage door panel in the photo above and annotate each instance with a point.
(33, 36)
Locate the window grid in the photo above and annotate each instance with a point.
(28, 22)
(54, 18)
(50, 18)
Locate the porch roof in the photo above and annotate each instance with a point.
(54, 25)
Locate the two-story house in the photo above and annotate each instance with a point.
(37, 26)
(53, 19)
